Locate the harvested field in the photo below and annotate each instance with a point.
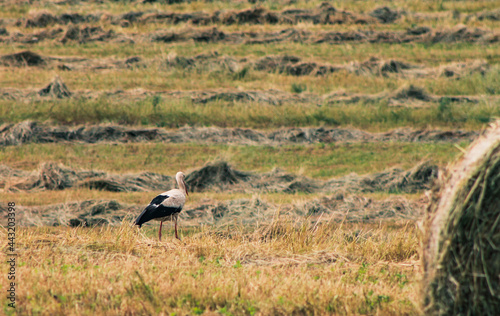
(37, 132)
(310, 134)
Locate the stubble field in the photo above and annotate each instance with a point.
(309, 132)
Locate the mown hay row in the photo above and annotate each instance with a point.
(352, 208)
(323, 14)
(52, 176)
(87, 33)
(217, 176)
(285, 64)
(461, 254)
(36, 132)
(406, 96)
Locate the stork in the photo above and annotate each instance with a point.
(166, 206)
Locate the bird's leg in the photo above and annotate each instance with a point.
(176, 236)
(159, 231)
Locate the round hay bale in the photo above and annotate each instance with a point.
(461, 245)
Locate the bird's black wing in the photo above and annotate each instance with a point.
(156, 210)
(157, 200)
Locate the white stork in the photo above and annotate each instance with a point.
(166, 206)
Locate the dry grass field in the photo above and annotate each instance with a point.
(309, 132)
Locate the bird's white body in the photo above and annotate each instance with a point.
(176, 198)
(166, 206)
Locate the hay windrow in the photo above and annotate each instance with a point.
(407, 96)
(352, 208)
(53, 176)
(86, 213)
(323, 14)
(36, 132)
(462, 233)
(88, 33)
(284, 64)
(217, 176)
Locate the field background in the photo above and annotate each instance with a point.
(309, 131)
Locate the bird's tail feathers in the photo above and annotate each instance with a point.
(143, 218)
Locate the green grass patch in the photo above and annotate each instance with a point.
(316, 161)
(158, 77)
(177, 113)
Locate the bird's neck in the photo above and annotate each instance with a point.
(181, 185)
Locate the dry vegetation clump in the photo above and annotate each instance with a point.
(461, 69)
(44, 18)
(493, 15)
(409, 94)
(385, 14)
(460, 33)
(417, 179)
(257, 15)
(86, 34)
(218, 174)
(31, 59)
(56, 89)
(20, 133)
(378, 67)
(204, 62)
(275, 63)
(22, 59)
(321, 134)
(272, 96)
(462, 234)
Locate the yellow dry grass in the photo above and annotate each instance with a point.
(283, 268)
